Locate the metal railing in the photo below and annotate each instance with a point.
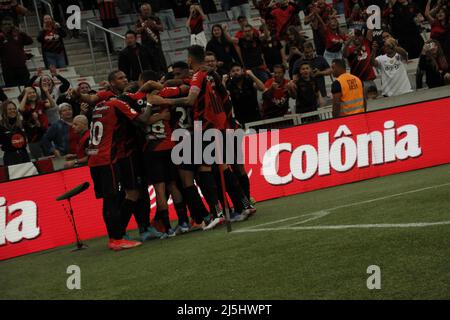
(323, 113)
(48, 4)
(91, 47)
(25, 21)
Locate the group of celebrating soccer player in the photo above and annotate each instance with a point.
(131, 144)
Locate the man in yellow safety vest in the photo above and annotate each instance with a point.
(348, 91)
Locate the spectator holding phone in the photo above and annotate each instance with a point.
(243, 87)
(434, 65)
(51, 38)
(195, 25)
(357, 50)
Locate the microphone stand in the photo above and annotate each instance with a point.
(80, 245)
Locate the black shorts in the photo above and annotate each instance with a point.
(131, 172)
(106, 180)
(159, 167)
(224, 150)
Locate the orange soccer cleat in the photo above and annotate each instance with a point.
(122, 244)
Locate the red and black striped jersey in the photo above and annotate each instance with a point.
(108, 131)
(159, 134)
(213, 105)
(133, 137)
(107, 9)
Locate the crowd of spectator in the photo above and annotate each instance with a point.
(276, 59)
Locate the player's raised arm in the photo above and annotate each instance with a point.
(186, 101)
(83, 97)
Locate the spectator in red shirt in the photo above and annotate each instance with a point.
(12, 54)
(35, 120)
(265, 8)
(80, 126)
(439, 21)
(243, 22)
(334, 39)
(195, 25)
(276, 95)
(51, 39)
(319, 9)
(358, 50)
(109, 17)
(285, 15)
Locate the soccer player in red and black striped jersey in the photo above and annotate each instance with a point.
(117, 82)
(109, 120)
(160, 171)
(211, 105)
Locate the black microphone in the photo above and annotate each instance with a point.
(71, 193)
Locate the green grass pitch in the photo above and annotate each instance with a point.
(316, 245)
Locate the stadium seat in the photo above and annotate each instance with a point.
(233, 26)
(218, 17)
(68, 72)
(34, 51)
(12, 92)
(179, 33)
(180, 22)
(119, 43)
(255, 22)
(166, 45)
(164, 35)
(179, 44)
(254, 13)
(176, 56)
(125, 20)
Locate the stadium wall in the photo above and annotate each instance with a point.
(305, 158)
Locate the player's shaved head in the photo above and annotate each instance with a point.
(196, 54)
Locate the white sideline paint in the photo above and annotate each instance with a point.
(322, 213)
(353, 226)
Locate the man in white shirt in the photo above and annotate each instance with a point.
(394, 76)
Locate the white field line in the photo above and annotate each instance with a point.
(353, 226)
(322, 213)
